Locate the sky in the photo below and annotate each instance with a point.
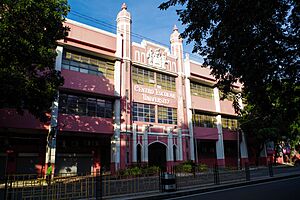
(148, 21)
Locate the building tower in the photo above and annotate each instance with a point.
(120, 141)
(177, 51)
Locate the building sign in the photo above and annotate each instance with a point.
(154, 95)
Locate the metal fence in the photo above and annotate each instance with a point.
(117, 185)
(96, 186)
(65, 186)
(71, 186)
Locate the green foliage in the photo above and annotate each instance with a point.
(186, 167)
(256, 43)
(150, 170)
(137, 171)
(202, 168)
(29, 31)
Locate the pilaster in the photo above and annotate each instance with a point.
(189, 106)
(220, 142)
(180, 157)
(134, 143)
(145, 145)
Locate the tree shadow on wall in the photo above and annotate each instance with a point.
(92, 86)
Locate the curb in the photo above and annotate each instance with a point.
(166, 195)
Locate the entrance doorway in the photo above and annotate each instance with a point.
(157, 155)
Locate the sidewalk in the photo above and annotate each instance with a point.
(205, 188)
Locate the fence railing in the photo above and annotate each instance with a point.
(98, 185)
(61, 187)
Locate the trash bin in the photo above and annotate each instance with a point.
(168, 182)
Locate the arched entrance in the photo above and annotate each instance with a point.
(157, 155)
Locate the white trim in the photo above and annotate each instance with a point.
(197, 63)
(158, 142)
(145, 43)
(90, 27)
(58, 60)
(137, 45)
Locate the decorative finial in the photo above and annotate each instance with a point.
(175, 28)
(124, 6)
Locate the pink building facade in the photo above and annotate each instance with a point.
(125, 103)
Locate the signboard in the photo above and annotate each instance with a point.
(155, 95)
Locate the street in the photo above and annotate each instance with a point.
(275, 190)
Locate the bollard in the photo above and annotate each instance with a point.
(168, 182)
(216, 175)
(247, 171)
(271, 173)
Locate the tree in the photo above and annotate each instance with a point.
(255, 42)
(29, 31)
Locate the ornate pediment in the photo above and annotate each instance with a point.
(157, 58)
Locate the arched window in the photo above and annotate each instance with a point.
(137, 56)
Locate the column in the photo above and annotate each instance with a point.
(263, 156)
(123, 52)
(219, 143)
(243, 144)
(189, 107)
(145, 145)
(134, 143)
(243, 148)
(180, 158)
(53, 128)
(170, 157)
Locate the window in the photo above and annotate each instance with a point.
(166, 82)
(167, 115)
(198, 89)
(229, 123)
(143, 77)
(147, 78)
(230, 96)
(87, 65)
(85, 106)
(204, 120)
(143, 112)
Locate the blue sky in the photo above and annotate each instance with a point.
(148, 20)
